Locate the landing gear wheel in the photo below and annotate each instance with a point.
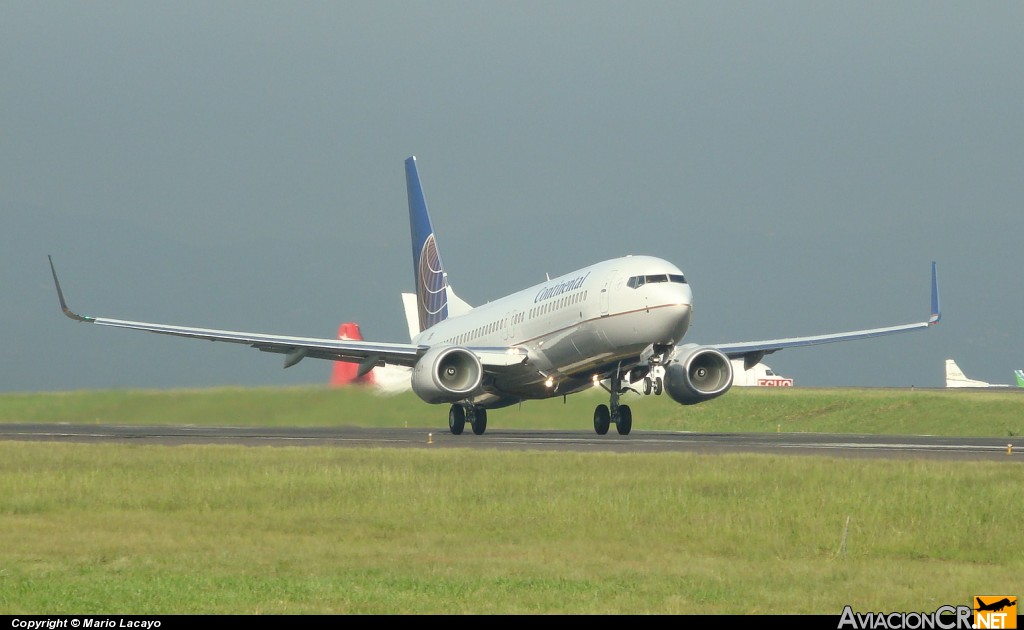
(457, 419)
(648, 386)
(625, 421)
(659, 385)
(602, 419)
(479, 421)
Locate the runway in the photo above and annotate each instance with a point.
(822, 444)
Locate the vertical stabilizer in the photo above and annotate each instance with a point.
(345, 373)
(387, 379)
(431, 280)
(1020, 377)
(955, 377)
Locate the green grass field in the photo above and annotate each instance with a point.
(916, 412)
(120, 528)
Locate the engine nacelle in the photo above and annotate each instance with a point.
(696, 373)
(447, 374)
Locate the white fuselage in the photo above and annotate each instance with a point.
(575, 324)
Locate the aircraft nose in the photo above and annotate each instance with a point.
(682, 322)
(685, 295)
(686, 308)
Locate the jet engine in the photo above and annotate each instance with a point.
(447, 374)
(697, 373)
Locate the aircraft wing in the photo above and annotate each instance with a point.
(367, 353)
(753, 351)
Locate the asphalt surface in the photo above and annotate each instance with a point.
(1010, 450)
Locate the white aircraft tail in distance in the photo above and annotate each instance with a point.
(955, 377)
(759, 375)
(609, 324)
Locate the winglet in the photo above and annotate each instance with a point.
(936, 314)
(60, 296)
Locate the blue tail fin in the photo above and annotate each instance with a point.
(431, 280)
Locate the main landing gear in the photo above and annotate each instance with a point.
(461, 412)
(620, 415)
(653, 386)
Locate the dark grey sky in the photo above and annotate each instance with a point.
(239, 165)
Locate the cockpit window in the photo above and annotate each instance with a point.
(639, 281)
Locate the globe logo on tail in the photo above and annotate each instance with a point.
(433, 298)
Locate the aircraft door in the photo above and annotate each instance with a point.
(605, 289)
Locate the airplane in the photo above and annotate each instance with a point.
(606, 324)
(389, 379)
(395, 378)
(955, 377)
(759, 375)
(994, 606)
(345, 373)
